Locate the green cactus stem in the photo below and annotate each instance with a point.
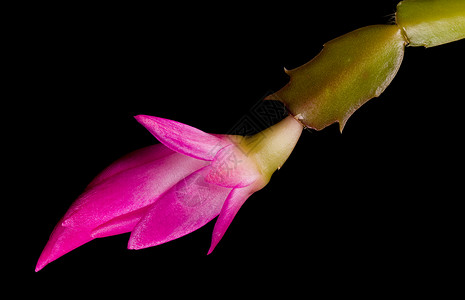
(431, 22)
(349, 71)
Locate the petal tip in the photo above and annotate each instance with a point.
(131, 244)
(135, 243)
(68, 222)
(131, 247)
(40, 265)
(44, 259)
(215, 240)
(142, 118)
(212, 247)
(150, 121)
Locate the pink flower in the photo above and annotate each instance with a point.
(165, 191)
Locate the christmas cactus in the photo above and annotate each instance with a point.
(163, 192)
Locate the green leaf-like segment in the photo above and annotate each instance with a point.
(431, 22)
(349, 71)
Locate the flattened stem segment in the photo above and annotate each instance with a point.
(431, 23)
(349, 71)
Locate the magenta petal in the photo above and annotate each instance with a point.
(184, 208)
(183, 138)
(130, 190)
(230, 208)
(62, 240)
(119, 225)
(132, 160)
(232, 168)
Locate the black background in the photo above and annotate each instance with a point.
(376, 206)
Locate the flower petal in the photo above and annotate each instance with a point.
(232, 168)
(130, 190)
(182, 138)
(120, 225)
(231, 206)
(134, 159)
(62, 240)
(187, 206)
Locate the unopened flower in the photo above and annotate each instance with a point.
(165, 191)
